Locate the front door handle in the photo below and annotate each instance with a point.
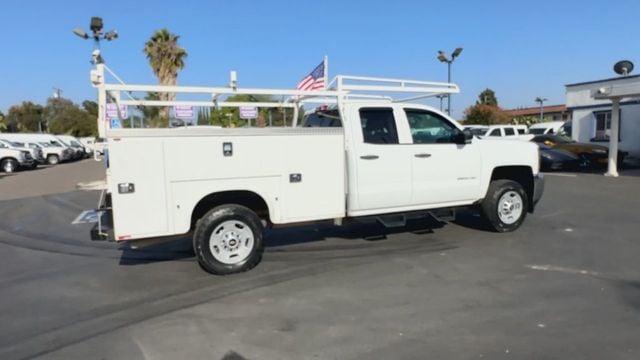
(369, 157)
(422, 155)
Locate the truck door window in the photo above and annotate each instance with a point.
(495, 132)
(509, 131)
(430, 128)
(378, 126)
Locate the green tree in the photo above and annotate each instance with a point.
(3, 123)
(166, 58)
(65, 117)
(26, 117)
(481, 114)
(90, 107)
(487, 97)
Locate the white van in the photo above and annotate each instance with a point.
(551, 127)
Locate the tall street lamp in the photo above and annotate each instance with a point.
(541, 100)
(443, 57)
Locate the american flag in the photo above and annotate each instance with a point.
(313, 81)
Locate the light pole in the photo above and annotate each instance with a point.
(541, 100)
(441, 97)
(442, 56)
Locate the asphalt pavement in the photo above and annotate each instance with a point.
(564, 286)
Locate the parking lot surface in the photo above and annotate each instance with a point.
(564, 286)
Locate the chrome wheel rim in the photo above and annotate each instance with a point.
(8, 167)
(510, 207)
(231, 242)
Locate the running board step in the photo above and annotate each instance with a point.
(443, 215)
(391, 221)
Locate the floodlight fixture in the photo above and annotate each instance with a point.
(81, 33)
(442, 56)
(456, 53)
(111, 35)
(96, 25)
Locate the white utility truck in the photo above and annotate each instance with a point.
(379, 157)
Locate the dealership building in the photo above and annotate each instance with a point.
(593, 104)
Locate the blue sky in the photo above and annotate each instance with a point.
(519, 49)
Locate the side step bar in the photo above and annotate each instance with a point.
(400, 220)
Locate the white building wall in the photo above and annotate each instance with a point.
(583, 106)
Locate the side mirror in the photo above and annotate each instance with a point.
(468, 136)
(463, 137)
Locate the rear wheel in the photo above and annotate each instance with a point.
(52, 159)
(228, 239)
(505, 206)
(9, 165)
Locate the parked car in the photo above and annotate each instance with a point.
(595, 154)
(558, 159)
(551, 127)
(71, 141)
(53, 151)
(36, 154)
(12, 159)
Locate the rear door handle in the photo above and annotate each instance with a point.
(369, 157)
(422, 155)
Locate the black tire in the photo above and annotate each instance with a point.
(217, 219)
(53, 159)
(490, 206)
(9, 165)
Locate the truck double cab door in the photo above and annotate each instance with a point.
(408, 157)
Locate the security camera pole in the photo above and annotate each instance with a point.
(97, 75)
(442, 56)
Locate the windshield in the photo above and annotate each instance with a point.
(478, 131)
(17, 144)
(560, 139)
(538, 131)
(45, 144)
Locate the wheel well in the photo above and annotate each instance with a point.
(520, 174)
(247, 199)
(8, 158)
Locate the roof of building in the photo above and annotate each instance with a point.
(536, 110)
(604, 80)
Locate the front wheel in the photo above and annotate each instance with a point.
(53, 159)
(228, 240)
(505, 206)
(9, 165)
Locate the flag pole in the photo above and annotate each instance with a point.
(326, 72)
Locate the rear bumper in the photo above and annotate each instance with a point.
(538, 189)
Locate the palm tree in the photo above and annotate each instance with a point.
(166, 58)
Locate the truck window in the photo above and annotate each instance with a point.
(494, 132)
(429, 128)
(509, 131)
(521, 131)
(378, 126)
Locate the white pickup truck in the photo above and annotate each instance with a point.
(376, 157)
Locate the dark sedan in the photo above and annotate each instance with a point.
(595, 154)
(557, 159)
